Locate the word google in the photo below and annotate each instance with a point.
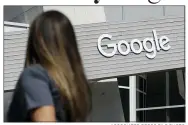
(156, 45)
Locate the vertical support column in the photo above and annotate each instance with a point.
(132, 98)
(167, 97)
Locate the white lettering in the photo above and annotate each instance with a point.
(127, 47)
(109, 45)
(151, 52)
(156, 40)
(163, 41)
(140, 46)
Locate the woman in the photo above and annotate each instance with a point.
(52, 86)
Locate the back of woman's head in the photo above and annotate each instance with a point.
(52, 44)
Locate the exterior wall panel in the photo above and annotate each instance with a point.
(174, 10)
(133, 13)
(97, 66)
(113, 13)
(81, 14)
(136, 13)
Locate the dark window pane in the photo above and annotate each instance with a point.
(174, 93)
(152, 116)
(141, 100)
(162, 115)
(124, 93)
(177, 114)
(156, 89)
(141, 94)
(141, 116)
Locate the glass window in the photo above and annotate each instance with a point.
(158, 97)
(177, 118)
(161, 94)
(124, 94)
(162, 115)
(175, 87)
(156, 89)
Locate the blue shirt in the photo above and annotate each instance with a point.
(33, 90)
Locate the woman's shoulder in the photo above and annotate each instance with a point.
(33, 85)
(32, 74)
(34, 70)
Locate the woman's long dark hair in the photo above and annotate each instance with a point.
(52, 44)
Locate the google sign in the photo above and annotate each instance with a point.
(156, 45)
